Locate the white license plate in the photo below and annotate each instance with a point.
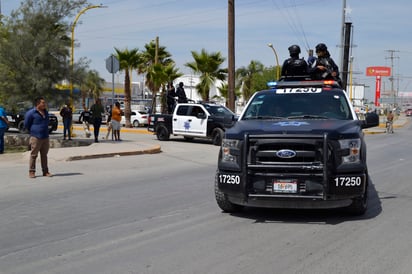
(285, 186)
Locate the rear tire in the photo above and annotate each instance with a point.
(162, 133)
(20, 127)
(217, 136)
(223, 202)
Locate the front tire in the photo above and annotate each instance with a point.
(162, 133)
(217, 136)
(223, 202)
(360, 204)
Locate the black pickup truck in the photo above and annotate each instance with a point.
(298, 144)
(193, 120)
(16, 120)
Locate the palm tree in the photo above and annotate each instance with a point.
(154, 59)
(224, 92)
(93, 86)
(247, 76)
(208, 66)
(128, 60)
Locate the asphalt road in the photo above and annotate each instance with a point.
(157, 214)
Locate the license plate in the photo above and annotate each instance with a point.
(285, 186)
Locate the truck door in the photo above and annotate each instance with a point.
(192, 122)
(198, 121)
(179, 120)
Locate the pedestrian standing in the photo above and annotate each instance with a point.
(67, 114)
(36, 121)
(116, 118)
(3, 127)
(109, 121)
(97, 111)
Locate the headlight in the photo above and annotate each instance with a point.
(227, 150)
(352, 146)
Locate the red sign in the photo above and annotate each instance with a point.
(378, 71)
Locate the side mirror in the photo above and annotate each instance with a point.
(201, 115)
(371, 120)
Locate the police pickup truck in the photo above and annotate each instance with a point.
(298, 144)
(192, 120)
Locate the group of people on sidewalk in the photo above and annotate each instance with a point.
(93, 116)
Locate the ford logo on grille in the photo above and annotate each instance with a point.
(286, 153)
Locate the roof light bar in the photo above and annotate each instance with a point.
(290, 84)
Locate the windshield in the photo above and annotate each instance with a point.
(218, 110)
(330, 104)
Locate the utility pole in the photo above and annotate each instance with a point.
(342, 32)
(231, 55)
(392, 53)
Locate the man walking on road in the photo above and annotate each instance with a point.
(36, 121)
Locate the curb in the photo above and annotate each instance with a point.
(153, 150)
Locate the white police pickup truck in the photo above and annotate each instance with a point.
(193, 120)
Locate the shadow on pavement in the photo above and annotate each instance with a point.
(313, 216)
(67, 174)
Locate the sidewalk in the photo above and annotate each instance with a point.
(82, 148)
(100, 150)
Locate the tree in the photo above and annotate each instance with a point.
(208, 66)
(224, 92)
(92, 86)
(155, 59)
(35, 48)
(129, 60)
(247, 77)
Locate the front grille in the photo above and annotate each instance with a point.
(308, 165)
(262, 150)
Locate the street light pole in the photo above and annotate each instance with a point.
(72, 47)
(270, 45)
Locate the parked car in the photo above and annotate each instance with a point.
(76, 116)
(137, 118)
(408, 112)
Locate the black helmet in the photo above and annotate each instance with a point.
(321, 47)
(294, 50)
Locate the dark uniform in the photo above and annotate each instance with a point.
(181, 94)
(294, 66)
(323, 67)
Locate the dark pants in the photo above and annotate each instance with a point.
(97, 122)
(2, 130)
(42, 146)
(67, 124)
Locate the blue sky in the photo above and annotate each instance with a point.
(186, 25)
